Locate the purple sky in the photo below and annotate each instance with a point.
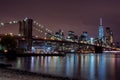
(76, 15)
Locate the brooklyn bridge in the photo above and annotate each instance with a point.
(48, 42)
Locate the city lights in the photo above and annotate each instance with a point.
(2, 24)
(105, 38)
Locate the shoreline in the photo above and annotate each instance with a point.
(14, 74)
(28, 54)
(7, 74)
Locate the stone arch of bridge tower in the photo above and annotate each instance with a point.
(25, 30)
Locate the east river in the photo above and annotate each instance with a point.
(104, 66)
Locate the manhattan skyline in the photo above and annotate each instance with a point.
(76, 15)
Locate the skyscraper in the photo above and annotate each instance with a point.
(109, 36)
(86, 35)
(71, 35)
(101, 31)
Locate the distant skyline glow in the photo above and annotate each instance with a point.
(76, 15)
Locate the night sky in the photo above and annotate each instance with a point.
(76, 15)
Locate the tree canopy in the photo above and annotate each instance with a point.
(8, 42)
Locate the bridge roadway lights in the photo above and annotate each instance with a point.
(98, 49)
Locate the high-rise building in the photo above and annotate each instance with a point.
(91, 40)
(71, 35)
(59, 35)
(109, 36)
(101, 31)
(85, 34)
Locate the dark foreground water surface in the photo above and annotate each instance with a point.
(80, 66)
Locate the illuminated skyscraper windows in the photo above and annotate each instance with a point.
(101, 31)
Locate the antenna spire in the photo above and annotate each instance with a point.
(101, 21)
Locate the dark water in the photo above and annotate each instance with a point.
(81, 66)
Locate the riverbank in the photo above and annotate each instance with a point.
(8, 74)
(29, 54)
(12, 74)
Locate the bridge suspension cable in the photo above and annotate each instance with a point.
(41, 27)
(8, 23)
(43, 31)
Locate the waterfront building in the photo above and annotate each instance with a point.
(109, 36)
(48, 35)
(117, 44)
(71, 36)
(76, 38)
(59, 35)
(81, 37)
(85, 34)
(84, 37)
(91, 40)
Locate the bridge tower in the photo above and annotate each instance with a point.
(25, 30)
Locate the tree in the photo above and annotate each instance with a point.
(8, 42)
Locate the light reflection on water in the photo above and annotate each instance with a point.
(85, 66)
